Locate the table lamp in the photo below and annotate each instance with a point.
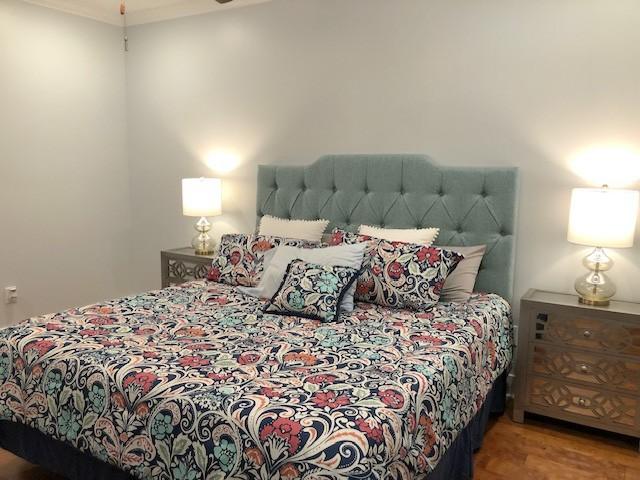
(202, 197)
(601, 217)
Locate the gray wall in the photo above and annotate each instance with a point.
(489, 82)
(64, 180)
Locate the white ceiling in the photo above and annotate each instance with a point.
(140, 11)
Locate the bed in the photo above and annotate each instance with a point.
(194, 382)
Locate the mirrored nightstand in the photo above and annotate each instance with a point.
(181, 265)
(579, 363)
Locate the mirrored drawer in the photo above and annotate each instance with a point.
(598, 407)
(597, 335)
(577, 366)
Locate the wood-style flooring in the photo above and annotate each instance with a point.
(540, 449)
(543, 449)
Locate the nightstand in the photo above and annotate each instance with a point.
(181, 265)
(579, 363)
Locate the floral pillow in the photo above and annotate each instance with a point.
(312, 291)
(398, 274)
(240, 258)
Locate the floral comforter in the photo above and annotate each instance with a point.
(192, 382)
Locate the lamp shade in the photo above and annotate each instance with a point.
(603, 217)
(201, 197)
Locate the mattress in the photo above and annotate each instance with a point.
(194, 382)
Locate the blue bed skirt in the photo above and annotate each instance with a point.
(457, 462)
(60, 458)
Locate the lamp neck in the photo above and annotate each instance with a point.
(598, 254)
(598, 260)
(203, 225)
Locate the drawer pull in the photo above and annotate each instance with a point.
(584, 368)
(582, 402)
(587, 334)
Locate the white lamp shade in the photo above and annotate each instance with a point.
(603, 217)
(201, 197)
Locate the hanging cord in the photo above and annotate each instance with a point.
(123, 13)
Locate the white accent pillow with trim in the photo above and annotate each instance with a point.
(310, 230)
(276, 263)
(422, 236)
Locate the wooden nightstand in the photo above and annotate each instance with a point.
(181, 265)
(579, 363)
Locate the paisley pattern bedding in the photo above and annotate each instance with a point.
(312, 290)
(193, 382)
(240, 257)
(399, 274)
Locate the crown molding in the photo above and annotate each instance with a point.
(184, 8)
(80, 9)
(137, 16)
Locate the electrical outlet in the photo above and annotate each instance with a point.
(11, 295)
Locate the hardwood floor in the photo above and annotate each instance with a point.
(538, 450)
(14, 468)
(544, 449)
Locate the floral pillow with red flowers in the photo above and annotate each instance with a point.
(398, 274)
(240, 258)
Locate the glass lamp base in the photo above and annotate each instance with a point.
(202, 243)
(594, 287)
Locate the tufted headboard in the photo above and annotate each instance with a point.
(471, 206)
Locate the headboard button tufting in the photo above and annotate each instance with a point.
(466, 216)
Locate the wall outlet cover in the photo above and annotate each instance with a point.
(11, 294)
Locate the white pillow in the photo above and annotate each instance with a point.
(422, 236)
(275, 269)
(310, 230)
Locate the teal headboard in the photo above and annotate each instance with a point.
(471, 206)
